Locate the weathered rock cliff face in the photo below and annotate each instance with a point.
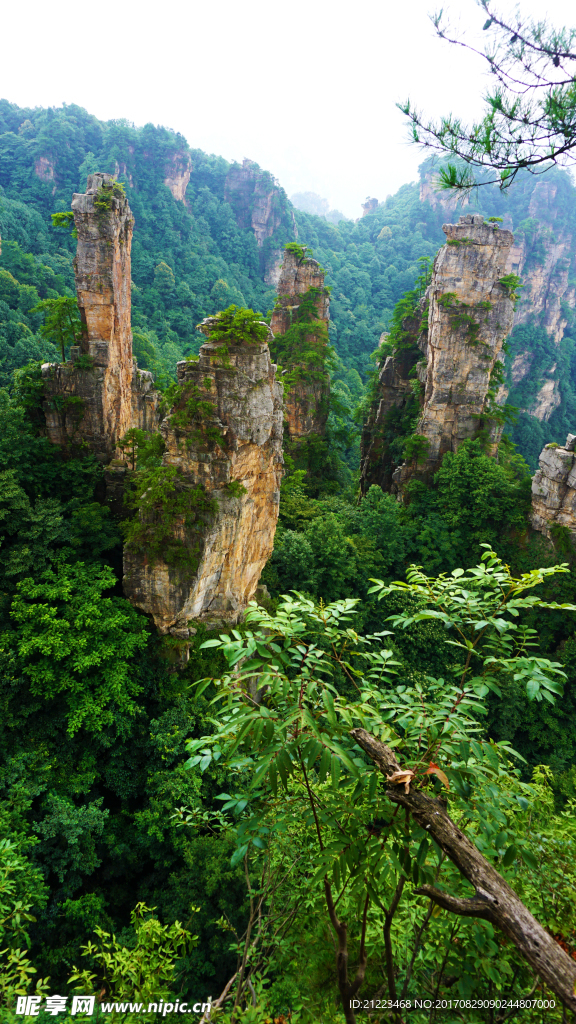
(100, 394)
(429, 193)
(554, 488)
(177, 175)
(470, 313)
(542, 255)
(396, 406)
(300, 328)
(260, 203)
(215, 497)
(224, 438)
(370, 206)
(44, 168)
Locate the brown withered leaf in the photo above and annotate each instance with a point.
(435, 770)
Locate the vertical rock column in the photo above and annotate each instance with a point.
(470, 314)
(302, 299)
(543, 255)
(554, 488)
(223, 456)
(99, 395)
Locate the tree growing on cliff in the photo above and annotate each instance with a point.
(62, 324)
(530, 118)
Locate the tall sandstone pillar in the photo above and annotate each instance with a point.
(97, 396)
(452, 347)
(207, 514)
(223, 439)
(471, 314)
(300, 328)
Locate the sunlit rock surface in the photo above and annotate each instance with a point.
(99, 394)
(467, 315)
(307, 401)
(235, 453)
(554, 488)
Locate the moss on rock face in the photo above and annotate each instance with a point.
(207, 516)
(301, 343)
(304, 350)
(172, 517)
(107, 192)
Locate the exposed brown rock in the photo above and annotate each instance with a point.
(234, 452)
(545, 286)
(177, 175)
(461, 355)
(307, 401)
(99, 400)
(521, 366)
(554, 488)
(546, 290)
(44, 168)
(227, 453)
(370, 206)
(547, 400)
(470, 314)
(446, 200)
(259, 203)
(122, 169)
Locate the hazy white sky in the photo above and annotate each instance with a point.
(307, 88)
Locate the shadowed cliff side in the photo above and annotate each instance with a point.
(207, 516)
(99, 394)
(261, 204)
(467, 312)
(543, 255)
(300, 327)
(397, 404)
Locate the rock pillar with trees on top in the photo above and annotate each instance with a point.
(98, 395)
(300, 327)
(200, 470)
(206, 516)
(554, 490)
(441, 385)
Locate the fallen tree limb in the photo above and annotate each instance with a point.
(494, 899)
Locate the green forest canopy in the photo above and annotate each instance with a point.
(115, 797)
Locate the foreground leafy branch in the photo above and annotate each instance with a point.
(306, 698)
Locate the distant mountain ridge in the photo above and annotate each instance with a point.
(209, 233)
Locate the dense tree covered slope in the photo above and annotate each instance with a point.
(120, 781)
(195, 251)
